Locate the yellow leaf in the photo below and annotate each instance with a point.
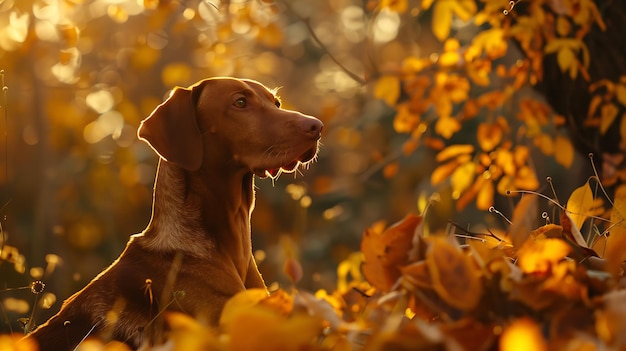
(260, 329)
(462, 177)
(541, 255)
(388, 89)
(442, 19)
(489, 136)
(525, 178)
(413, 64)
(450, 56)
(426, 4)
(405, 120)
(454, 151)
(522, 335)
(446, 126)
(524, 220)
(566, 60)
(484, 199)
(240, 302)
(545, 144)
(580, 204)
(453, 273)
(563, 27)
(390, 170)
(564, 151)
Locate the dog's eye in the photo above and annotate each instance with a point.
(241, 102)
(277, 103)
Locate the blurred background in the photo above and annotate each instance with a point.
(80, 75)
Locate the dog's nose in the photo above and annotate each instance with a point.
(312, 127)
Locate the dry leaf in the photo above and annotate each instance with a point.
(541, 255)
(385, 253)
(453, 273)
(524, 219)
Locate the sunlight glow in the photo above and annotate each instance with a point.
(386, 26)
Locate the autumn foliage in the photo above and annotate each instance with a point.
(468, 99)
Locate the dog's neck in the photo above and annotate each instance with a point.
(201, 212)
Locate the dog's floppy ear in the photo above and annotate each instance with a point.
(172, 131)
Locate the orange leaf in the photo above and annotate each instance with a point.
(390, 170)
(522, 335)
(489, 136)
(539, 256)
(454, 151)
(462, 177)
(446, 126)
(385, 253)
(484, 199)
(442, 172)
(454, 275)
(443, 12)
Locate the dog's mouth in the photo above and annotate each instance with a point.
(290, 167)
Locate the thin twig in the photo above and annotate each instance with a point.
(317, 40)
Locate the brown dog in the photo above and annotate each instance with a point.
(196, 251)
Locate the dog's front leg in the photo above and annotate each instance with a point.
(253, 277)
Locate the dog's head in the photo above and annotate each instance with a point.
(233, 120)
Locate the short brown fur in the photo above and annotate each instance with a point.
(196, 252)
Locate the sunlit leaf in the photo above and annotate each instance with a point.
(240, 302)
(522, 335)
(405, 120)
(447, 126)
(259, 328)
(563, 26)
(444, 11)
(489, 135)
(463, 176)
(580, 204)
(442, 172)
(454, 151)
(454, 275)
(484, 199)
(385, 253)
(388, 89)
(540, 255)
